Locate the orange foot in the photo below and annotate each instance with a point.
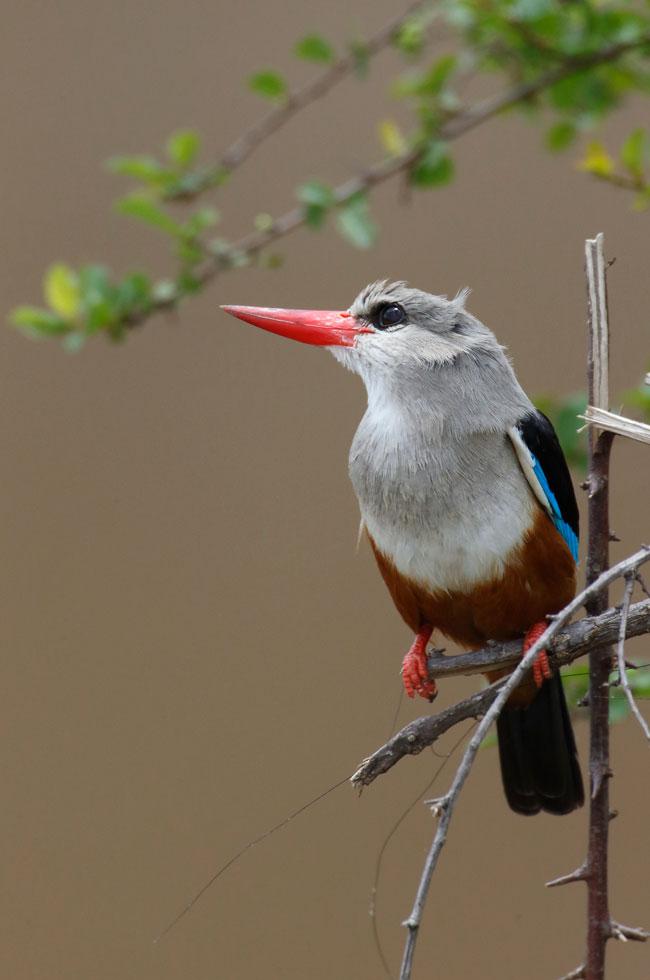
(541, 667)
(415, 675)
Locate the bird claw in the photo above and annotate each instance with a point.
(541, 665)
(415, 674)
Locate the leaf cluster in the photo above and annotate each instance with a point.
(567, 67)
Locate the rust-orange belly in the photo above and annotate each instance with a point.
(539, 577)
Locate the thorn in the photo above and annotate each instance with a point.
(584, 485)
(438, 805)
(613, 537)
(625, 933)
(600, 778)
(610, 262)
(613, 814)
(576, 974)
(580, 874)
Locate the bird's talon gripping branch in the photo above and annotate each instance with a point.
(415, 674)
(541, 666)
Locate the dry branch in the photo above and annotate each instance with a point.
(620, 654)
(619, 425)
(600, 657)
(444, 807)
(569, 644)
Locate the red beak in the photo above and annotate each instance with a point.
(324, 328)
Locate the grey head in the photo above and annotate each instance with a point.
(427, 357)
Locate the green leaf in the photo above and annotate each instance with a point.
(317, 198)
(633, 152)
(143, 208)
(561, 135)
(315, 192)
(133, 294)
(597, 161)
(35, 322)
(268, 84)
(199, 221)
(355, 222)
(361, 57)
(61, 289)
(639, 679)
(438, 75)
(391, 138)
(314, 48)
(143, 168)
(434, 168)
(183, 146)
(164, 291)
(263, 221)
(409, 39)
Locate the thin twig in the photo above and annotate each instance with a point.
(618, 424)
(300, 98)
(445, 806)
(569, 644)
(576, 974)
(456, 126)
(620, 653)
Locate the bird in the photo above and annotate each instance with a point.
(467, 503)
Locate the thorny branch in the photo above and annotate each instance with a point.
(444, 807)
(600, 658)
(569, 644)
(488, 704)
(620, 655)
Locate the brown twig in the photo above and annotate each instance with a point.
(301, 98)
(567, 645)
(620, 655)
(456, 126)
(444, 807)
(600, 658)
(572, 642)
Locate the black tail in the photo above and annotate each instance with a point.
(539, 761)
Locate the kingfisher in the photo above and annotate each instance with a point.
(467, 502)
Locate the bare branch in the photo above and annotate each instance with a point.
(620, 653)
(625, 933)
(297, 100)
(569, 644)
(445, 807)
(598, 322)
(580, 874)
(600, 658)
(618, 424)
(576, 974)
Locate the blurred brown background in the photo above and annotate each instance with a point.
(192, 647)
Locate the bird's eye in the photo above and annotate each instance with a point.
(390, 316)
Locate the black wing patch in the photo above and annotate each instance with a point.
(551, 471)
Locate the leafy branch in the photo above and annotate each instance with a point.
(576, 61)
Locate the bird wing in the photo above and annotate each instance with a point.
(542, 461)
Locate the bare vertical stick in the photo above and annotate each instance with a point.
(600, 659)
(598, 358)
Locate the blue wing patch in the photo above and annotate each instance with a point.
(563, 526)
(542, 460)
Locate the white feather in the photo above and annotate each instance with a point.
(526, 461)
